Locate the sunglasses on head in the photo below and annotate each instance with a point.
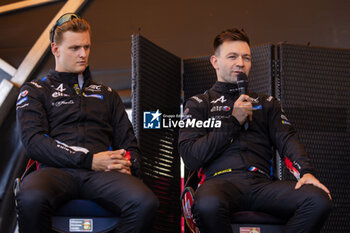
(63, 19)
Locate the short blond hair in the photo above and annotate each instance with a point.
(74, 25)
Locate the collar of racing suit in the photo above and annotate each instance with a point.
(71, 78)
(229, 88)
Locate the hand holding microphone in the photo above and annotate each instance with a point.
(242, 108)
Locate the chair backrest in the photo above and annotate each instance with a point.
(313, 87)
(156, 86)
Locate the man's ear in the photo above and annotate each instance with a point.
(54, 49)
(214, 61)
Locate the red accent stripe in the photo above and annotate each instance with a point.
(127, 155)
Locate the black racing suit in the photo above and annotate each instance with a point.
(62, 126)
(237, 161)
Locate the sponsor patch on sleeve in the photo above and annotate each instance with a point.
(22, 94)
(269, 98)
(286, 122)
(36, 84)
(22, 106)
(284, 117)
(186, 115)
(196, 98)
(71, 149)
(21, 101)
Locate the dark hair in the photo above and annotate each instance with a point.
(233, 34)
(74, 25)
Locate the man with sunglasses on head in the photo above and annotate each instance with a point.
(236, 157)
(80, 134)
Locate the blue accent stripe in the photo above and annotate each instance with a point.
(22, 100)
(257, 107)
(94, 96)
(286, 122)
(44, 78)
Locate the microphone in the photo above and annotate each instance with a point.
(242, 84)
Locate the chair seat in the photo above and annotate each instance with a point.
(256, 217)
(78, 207)
(83, 216)
(256, 228)
(251, 221)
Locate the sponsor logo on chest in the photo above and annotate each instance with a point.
(220, 108)
(221, 99)
(93, 88)
(60, 103)
(59, 91)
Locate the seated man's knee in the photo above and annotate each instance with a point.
(33, 201)
(150, 202)
(318, 201)
(209, 206)
(145, 202)
(323, 203)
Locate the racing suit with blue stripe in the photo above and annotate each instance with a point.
(62, 126)
(237, 163)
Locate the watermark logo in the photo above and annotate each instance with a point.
(151, 120)
(157, 120)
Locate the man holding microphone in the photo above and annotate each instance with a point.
(236, 158)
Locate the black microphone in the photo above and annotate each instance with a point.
(242, 84)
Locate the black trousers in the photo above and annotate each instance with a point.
(45, 190)
(217, 198)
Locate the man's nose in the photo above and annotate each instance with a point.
(240, 61)
(82, 52)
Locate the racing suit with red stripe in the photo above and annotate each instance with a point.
(62, 126)
(237, 162)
